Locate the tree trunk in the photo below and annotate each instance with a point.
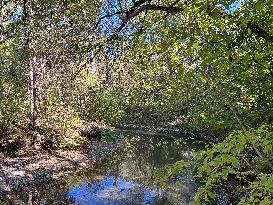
(33, 92)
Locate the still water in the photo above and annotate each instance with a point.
(120, 178)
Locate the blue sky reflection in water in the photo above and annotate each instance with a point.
(119, 178)
(109, 190)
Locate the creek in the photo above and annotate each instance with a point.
(121, 177)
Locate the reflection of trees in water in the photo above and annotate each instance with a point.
(46, 194)
(143, 154)
(137, 160)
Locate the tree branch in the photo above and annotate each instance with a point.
(144, 5)
(260, 32)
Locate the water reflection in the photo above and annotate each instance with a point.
(110, 190)
(120, 178)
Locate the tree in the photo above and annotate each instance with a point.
(214, 48)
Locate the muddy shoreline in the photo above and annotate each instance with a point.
(33, 168)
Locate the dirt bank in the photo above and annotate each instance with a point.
(36, 167)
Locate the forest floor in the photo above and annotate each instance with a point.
(33, 168)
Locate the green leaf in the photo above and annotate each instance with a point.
(236, 164)
(267, 148)
(266, 201)
(211, 195)
(259, 5)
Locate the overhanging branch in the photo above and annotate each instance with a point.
(126, 15)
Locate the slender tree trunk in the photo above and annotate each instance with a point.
(33, 92)
(32, 65)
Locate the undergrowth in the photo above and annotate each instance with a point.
(242, 163)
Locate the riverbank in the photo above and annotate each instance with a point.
(33, 168)
(208, 136)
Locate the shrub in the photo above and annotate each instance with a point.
(58, 123)
(244, 157)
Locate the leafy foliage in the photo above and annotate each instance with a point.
(244, 156)
(261, 191)
(57, 124)
(108, 134)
